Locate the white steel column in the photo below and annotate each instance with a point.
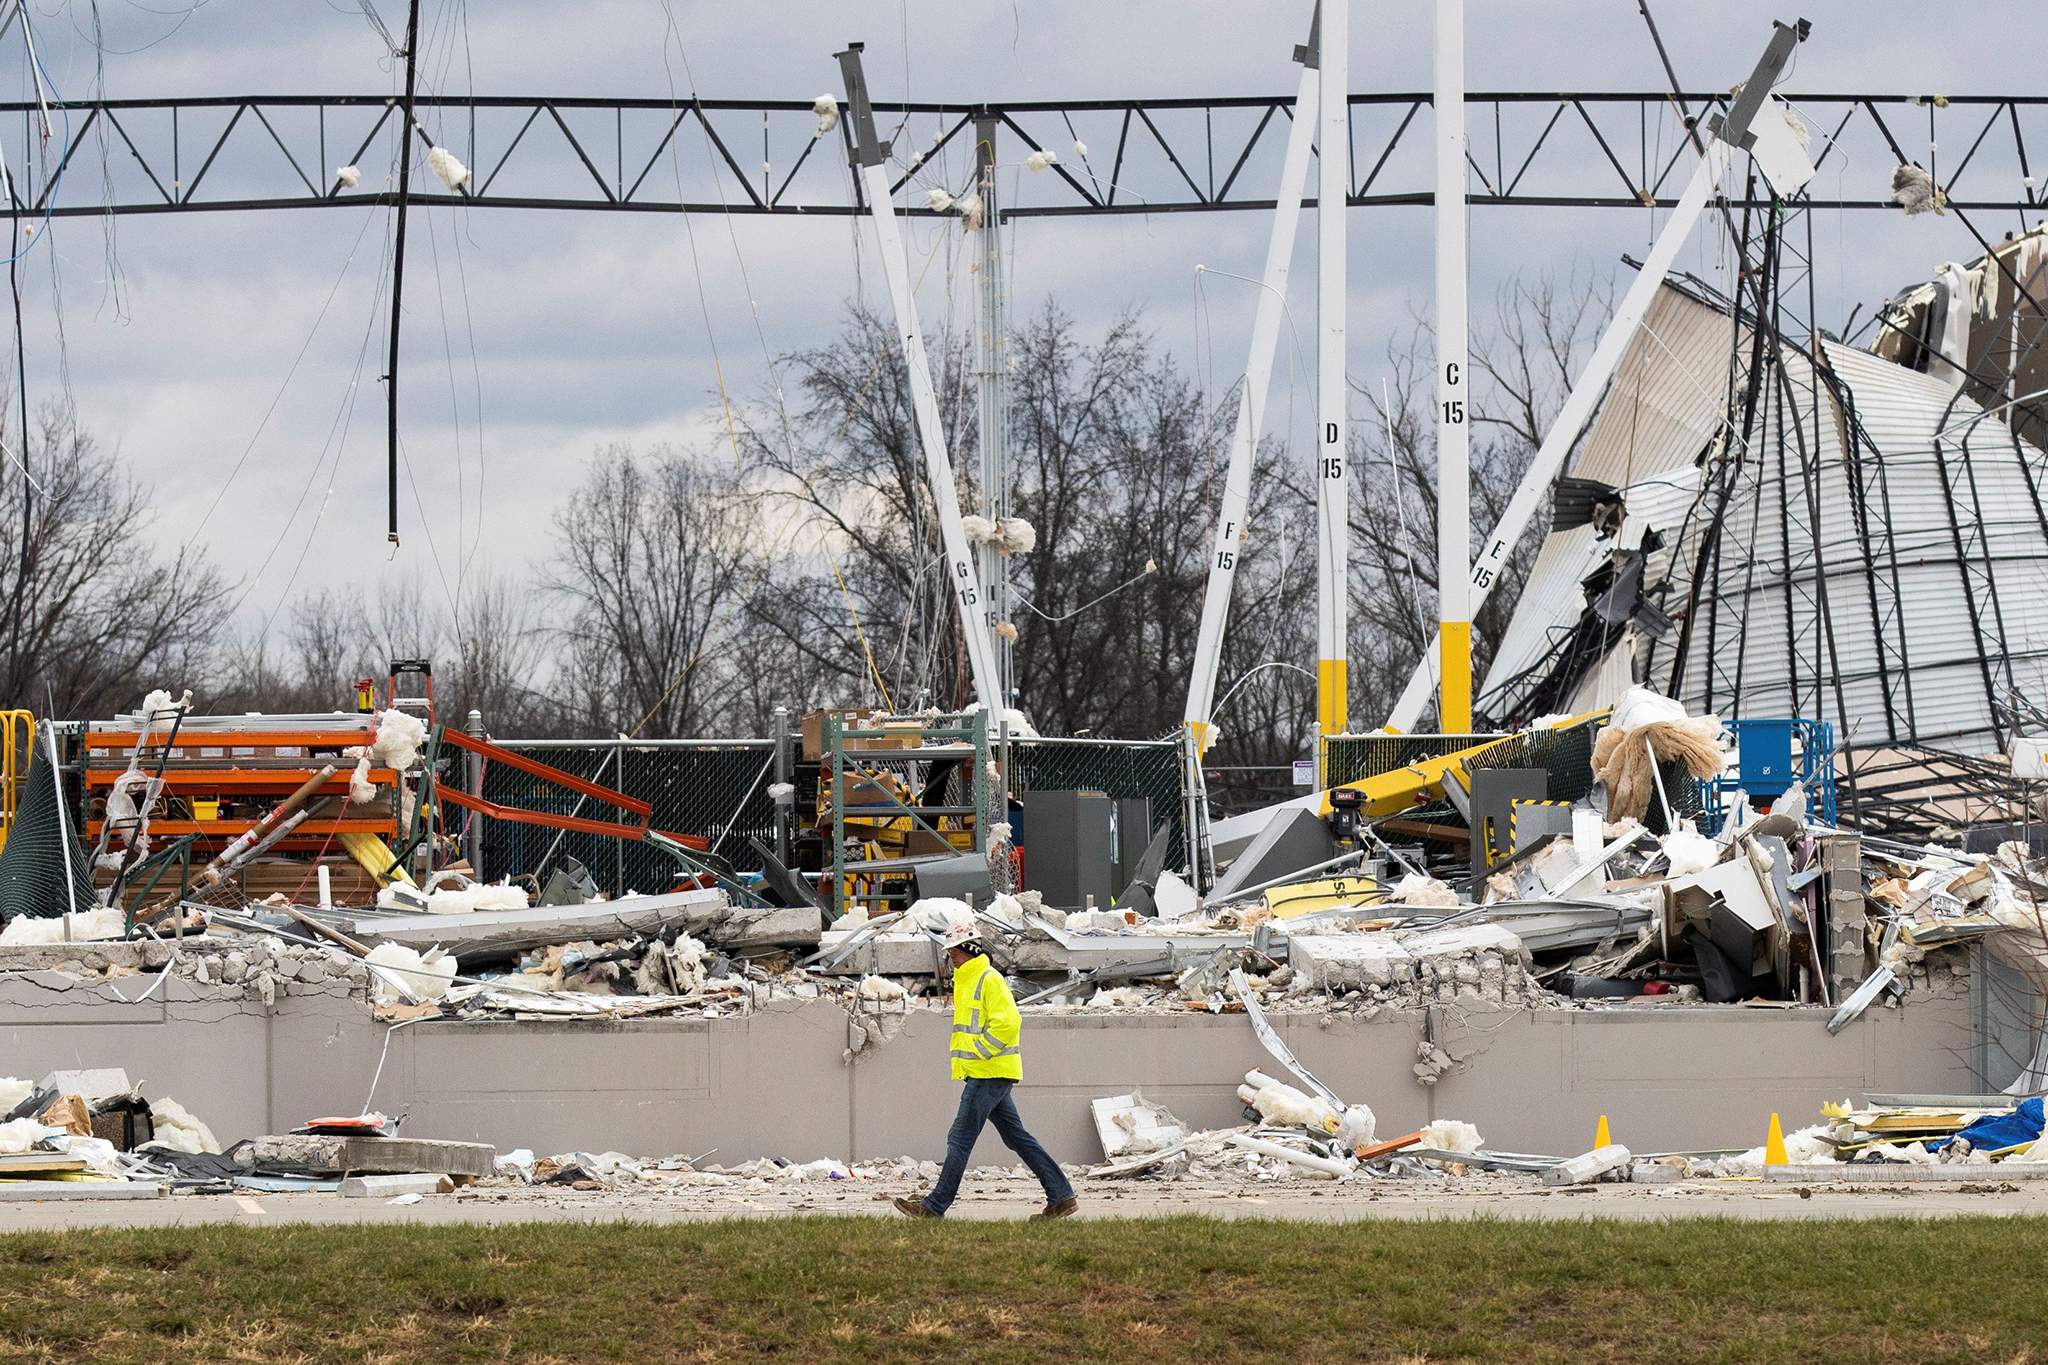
(992, 381)
(1333, 532)
(1592, 381)
(1453, 432)
(959, 566)
(1577, 410)
(1251, 405)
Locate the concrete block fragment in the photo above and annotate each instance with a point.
(1353, 962)
(93, 1083)
(391, 1186)
(1588, 1167)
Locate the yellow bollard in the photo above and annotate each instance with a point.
(1774, 1145)
(1600, 1134)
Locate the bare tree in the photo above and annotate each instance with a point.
(1522, 366)
(657, 559)
(502, 660)
(94, 615)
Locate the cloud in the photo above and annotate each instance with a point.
(579, 329)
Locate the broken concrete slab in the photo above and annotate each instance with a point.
(1461, 940)
(32, 1191)
(1350, 962)
(392, 1186)
(706, 915)
(307, 1154)
(1902, 1173)
(878, 954)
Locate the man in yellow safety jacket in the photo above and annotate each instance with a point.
(987, 1055)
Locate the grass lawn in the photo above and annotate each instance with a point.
(1166, 1289)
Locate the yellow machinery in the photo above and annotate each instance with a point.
(1403, 789)
(17, 744)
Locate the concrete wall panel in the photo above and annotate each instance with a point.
(778, 1082)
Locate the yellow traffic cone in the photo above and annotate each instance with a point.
(1601, 1137)
(1774, 1145)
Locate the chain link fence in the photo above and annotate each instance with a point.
(714, 790)
(717, 790)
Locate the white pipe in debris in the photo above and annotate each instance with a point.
(1336, 1170)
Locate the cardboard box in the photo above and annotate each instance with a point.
(813, 728)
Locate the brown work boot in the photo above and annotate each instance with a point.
(913, 1208)
(1066, 1208)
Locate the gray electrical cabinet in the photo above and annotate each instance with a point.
(1069, 849)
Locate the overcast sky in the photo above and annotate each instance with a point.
(533, 338)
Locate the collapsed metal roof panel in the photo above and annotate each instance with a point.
(1881, 562)
(1662, 409)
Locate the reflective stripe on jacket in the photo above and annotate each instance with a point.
(987, 1029)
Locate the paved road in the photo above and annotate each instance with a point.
(998, 1199)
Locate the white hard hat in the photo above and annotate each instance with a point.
(960, 931)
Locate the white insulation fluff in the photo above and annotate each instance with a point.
(881, 988)
(1039, 161)
(109, 922)
(1419, 888)
(933, 912)
(1690, 852)
(467, 900)
(428, 977)
(827, 110)
(978, 530)
(1080, 149)
(1913, 190)
(1358, 1127)
(1019, 723)
(938, 201)
(970, 209)
(396, 746)
(1452, 1135)
(349, 176)
(1278, 1102)
(177, 1130)
(19, 1135)
(447, 169)
(1016, 536)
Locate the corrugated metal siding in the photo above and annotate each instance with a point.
(1662, 408)
(1744, 657)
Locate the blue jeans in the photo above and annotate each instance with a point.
(988, 1101)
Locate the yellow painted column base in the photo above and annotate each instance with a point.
(1454, 701)
(1333, 695)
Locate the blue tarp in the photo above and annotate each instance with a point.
(1994, 1132)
